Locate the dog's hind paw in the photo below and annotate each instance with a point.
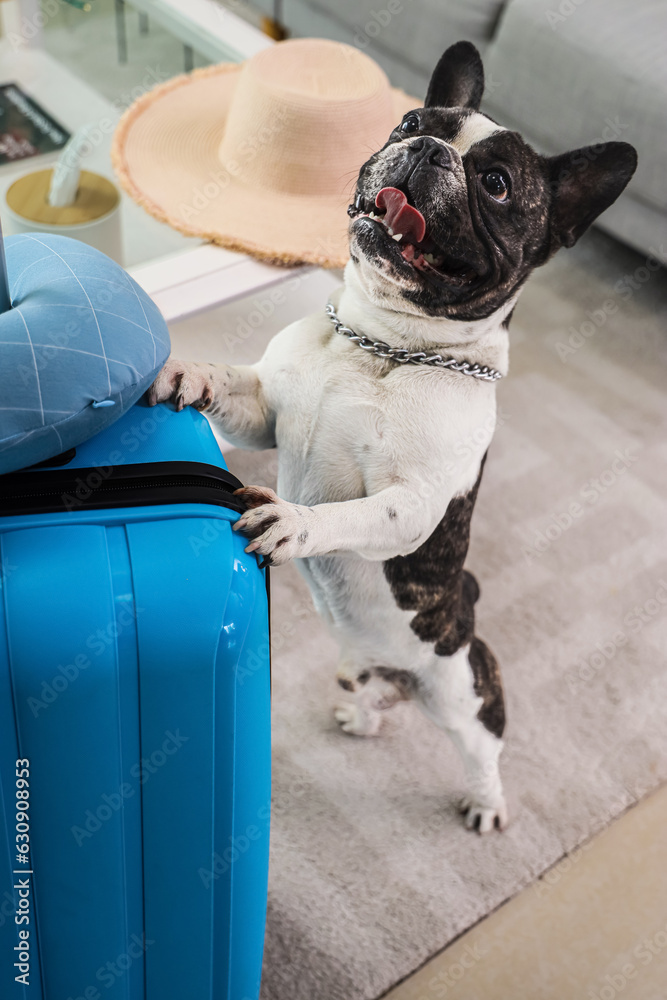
(483, 818)
(357, 721)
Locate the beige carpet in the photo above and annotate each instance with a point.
(593, 927)
(371, 869)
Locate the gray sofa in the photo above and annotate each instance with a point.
(566, 73)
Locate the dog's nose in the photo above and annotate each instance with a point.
(427, 148)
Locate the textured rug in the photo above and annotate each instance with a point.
(372, 871)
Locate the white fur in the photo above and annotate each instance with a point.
(474, 129)
(359, 438)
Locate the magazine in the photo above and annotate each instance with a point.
(26, 129)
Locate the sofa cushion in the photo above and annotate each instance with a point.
(81, 343)
(575, 72)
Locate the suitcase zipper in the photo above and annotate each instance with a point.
(127, 486)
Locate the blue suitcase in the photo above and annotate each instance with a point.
(134, 723)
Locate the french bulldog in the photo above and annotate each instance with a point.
(381, 453)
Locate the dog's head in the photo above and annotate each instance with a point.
(454, 212)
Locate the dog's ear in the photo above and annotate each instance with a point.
(458, 79)
(583, 183)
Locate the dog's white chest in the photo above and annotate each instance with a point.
(346, 428)
(336, 436)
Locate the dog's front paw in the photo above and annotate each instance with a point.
(183, 383)
(279, 530)
(483, 818)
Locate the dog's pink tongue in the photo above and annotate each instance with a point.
(401, 217)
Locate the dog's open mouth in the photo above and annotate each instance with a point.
(406, 225)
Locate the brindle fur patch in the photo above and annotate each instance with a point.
(432, 582)
(488, 686)
(404, 681)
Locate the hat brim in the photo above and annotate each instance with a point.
(165, 154)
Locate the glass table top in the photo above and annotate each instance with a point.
(85, 62)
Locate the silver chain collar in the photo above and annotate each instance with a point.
(404, 357)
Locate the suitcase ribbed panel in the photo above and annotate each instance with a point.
(177, 653)
(68, 702)
(9, 754)
(248, 845)
(125, 613)
(135, 675)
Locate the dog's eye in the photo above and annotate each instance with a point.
(409, 124)
(496, 184)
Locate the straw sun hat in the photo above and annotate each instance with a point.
(262, 156)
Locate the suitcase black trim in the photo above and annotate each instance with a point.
(142, 485)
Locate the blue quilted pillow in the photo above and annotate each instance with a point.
(81, 343)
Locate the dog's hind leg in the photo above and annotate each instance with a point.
(463, 695)
(374, 690)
